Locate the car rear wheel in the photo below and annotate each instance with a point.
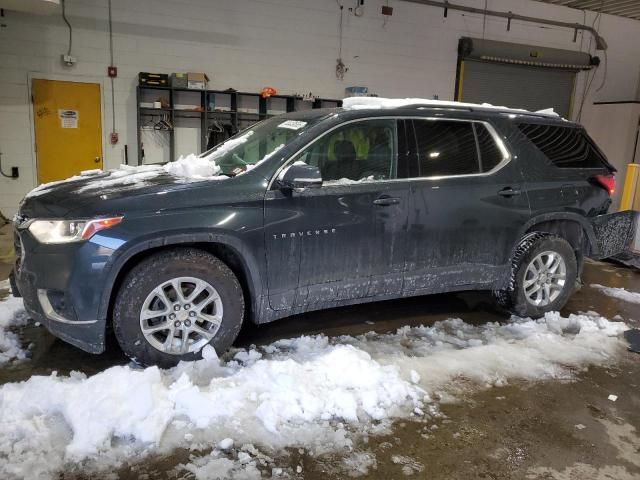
(174, 303)
(543, 276)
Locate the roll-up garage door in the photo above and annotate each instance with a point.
(518, 76)
(531, 88)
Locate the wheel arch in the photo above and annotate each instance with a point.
(228, 249)
(574, 228)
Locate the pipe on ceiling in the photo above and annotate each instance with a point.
(601, 44)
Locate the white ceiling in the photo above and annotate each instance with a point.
(622, 8)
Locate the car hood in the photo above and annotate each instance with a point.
(105, 193)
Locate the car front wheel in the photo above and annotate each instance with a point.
(174, 303)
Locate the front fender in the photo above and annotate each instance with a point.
(244, 237)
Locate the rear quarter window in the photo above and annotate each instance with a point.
(565, 147)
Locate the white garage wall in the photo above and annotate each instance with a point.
(248, 44)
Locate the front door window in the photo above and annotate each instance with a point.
(356, 152)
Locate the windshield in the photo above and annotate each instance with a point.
(256, 144)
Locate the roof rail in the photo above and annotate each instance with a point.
(480, 108)
(378, 102)
(443, 107)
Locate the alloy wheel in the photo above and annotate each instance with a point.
(545, 278)
(181, 315)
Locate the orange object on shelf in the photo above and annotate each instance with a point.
(268, 92)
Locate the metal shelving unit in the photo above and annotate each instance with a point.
(226, 105)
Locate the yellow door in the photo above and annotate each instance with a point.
(67, 127)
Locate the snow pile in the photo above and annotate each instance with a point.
(310, 392)
(12, 314)
(278, 402)
(358, 103)
(491, 354)
(620, 293)
(192, 166)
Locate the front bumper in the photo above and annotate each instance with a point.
(62, 288)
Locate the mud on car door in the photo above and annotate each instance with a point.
(344, 240)
(467, 205)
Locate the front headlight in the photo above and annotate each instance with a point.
(67, 231)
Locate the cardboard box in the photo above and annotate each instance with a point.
(197, 81)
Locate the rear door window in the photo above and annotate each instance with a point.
(446, 148)
(565, 147)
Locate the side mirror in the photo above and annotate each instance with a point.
(299, 176)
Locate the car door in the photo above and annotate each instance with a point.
(345, 239)
(466, 206)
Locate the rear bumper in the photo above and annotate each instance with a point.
(615, 234)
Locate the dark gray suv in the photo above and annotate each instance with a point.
(319, 209)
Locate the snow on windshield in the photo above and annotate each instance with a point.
(229, 145)
(313, 392)
(356, 103)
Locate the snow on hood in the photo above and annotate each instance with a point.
(190, 168)
(357, 103)
(311, 392)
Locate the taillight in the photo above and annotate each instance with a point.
(608, 182)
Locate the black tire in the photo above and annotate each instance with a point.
(164, 266)
(513, 297)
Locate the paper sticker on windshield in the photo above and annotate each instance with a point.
(292, 124)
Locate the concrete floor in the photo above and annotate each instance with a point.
(525, 430)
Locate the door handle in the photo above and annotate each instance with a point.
(386, 201)
(509, 192)
(97, 160)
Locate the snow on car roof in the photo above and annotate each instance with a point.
(356, 103)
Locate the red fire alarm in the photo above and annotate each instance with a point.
(112, 71)
(114, 138)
